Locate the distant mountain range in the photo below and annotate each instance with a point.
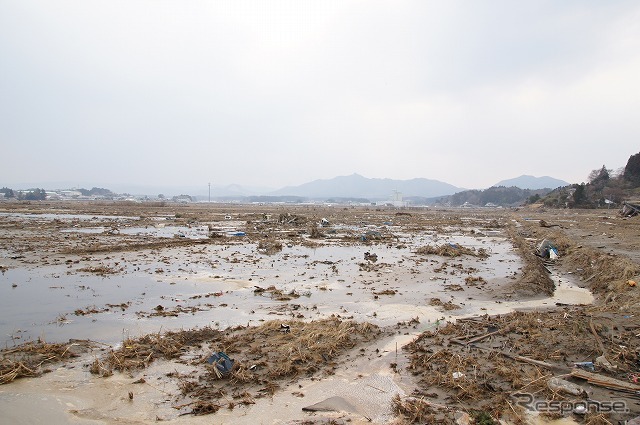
(357, 186)
(531, 182)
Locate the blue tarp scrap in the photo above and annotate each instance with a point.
(547, 249)
(221, 361)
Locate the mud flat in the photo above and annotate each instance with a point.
(110, 313)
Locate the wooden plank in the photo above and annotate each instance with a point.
(474, 339)
(597, 337)
(605, 381)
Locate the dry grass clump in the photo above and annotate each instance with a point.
(276, 351)
(386, 292)
(534, 277)
(292, 219)
(475, 280)
(437, 302)
(597, 419)
(264, 356)
(139, 353)
(27, 360)
(293, 348)
(451, 250)
(417, 410)
(602, 270)
(101, 270)
(269, 246)
(373, 267)
(477, 363)
(278, 294)
(493, 224)
(606, 274)
(315, 233)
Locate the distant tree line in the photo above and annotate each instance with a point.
(603, 188)
(96, 191)
(8, 193)
(35, 195)
(31, 195)
(497, 195)
(39, 194)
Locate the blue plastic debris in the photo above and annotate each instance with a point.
(547, 249)
(221, 361)
(585, 365)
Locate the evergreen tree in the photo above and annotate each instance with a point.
(632, 170)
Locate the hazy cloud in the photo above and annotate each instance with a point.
(281, 92)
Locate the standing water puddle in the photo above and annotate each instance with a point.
(229, 285)
(233, 285)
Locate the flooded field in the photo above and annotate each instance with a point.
(107, 274)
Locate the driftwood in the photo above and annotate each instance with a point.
(554, 367)
(598, 340)
(474, 339)
(535, 362)
(605, 381)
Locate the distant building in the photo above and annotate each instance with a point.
(53, 196)
(70, 193)
(396, 200)
(182, 199)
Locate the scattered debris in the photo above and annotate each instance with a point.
(269, 247)
(294, 219)
(475, 363)
(29, 359)
(370, 235)
(315, 233)
(263, 357)
(606, 381)
(560, 385)
(370, 257)
(452, 250)
(630, 209)
(222, 363)
(547, 249)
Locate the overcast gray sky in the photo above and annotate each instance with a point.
(274, 93)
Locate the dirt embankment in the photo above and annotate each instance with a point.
(498, 366)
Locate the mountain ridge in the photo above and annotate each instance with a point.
(526, 181)
(356, 185)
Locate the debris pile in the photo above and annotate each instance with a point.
(269, 246)
(278, 294)
(493, 364)
(452, 250)
(30, 359)
(630, 209)
(292, 219)
(248, 362)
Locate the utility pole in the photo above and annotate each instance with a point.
(209, 192)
